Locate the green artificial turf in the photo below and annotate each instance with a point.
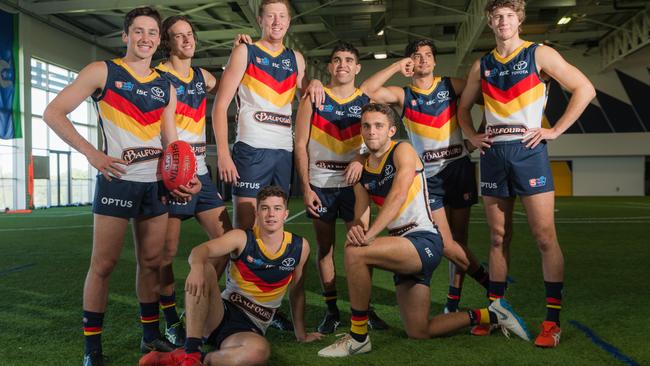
(44, 258)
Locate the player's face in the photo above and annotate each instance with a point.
(181, 40)
(343, 67)
(271, 213)
(376, 131)
(274, 21)
(143, 38)
(423, 60)
(504, 23)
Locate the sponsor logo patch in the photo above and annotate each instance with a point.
(537, 182)
(124, 85)
(262, 60)
(108, 201)
(506, 129)
(260, 312)
(331, 165)
(199, 148)
(141, 154)
(273, 118)
(399, 231)
(444, 153)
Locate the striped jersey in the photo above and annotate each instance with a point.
(429, 117)
(514, 93)
(130, 110)
(264, 98)
(256, 280)
(414, 215)
(191, 99)
(335, 138)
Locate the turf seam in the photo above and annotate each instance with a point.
(16, 269)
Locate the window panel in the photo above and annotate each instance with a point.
(39, 134)
(39, 101)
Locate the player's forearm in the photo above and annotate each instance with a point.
(387, 213)
(199, 256)
(302, 166)
(297, 302)
(465, 121)
(580, 99)
(220, 128)
(376, 81)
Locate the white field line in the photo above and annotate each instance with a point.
(294, 216)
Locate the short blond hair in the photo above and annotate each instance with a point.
(518, 6)
(260, 10)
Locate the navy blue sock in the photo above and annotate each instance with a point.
(168, 306)
(193, 345)
(553, 301)
(453, 298)
(150, 319)
(92, 326)
(496, 290)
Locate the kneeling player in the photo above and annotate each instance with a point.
(263, 262)
(393, 177)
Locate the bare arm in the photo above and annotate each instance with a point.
(301, 80)
(91, 79)
(374, 85)
(472, 93)
(582, 92)
(233, 241)
(168, 129)
(303, 122)
(458, 85)
(228, 85)
(356, 234)
(405, 159)
(297, 298)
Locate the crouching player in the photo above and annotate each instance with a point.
(264, 262)
(393, 177)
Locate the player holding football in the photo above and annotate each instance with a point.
(134, 105)
(428, 108)
(327, 141)
(192, 85)
(264, 263)
(514, 161)
(393, 178)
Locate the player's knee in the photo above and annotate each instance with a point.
(150, 262)
(546, 243)
(353, 256)
(257, 355)
(418, 333)
(102, 267)
(498, 238)
(169, 253)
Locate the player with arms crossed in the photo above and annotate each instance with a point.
(134, 104)
(393, 177)
(428, 107)
(328, 139)
(192, 85)
(512, 79)
(264, 263)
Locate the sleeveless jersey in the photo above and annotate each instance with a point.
(256, 281)
(335, 138)
(414, 215)
(429, 117)
(190, 111)
(514, 93)
(264, 98)
(130, 109)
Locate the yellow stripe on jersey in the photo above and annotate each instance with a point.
(266, 92)
(414, 191)
(250, 289)
(128, 123)
(188, 124)
(334, 145)
(286, 240)
(517, 104)
(439, 134)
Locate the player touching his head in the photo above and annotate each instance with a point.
(135, 104)
(264, 263)
(514, 160)
(328, 139)
(393, 178)
(428, 108)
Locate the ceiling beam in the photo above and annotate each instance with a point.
(633, 35)
(86, 6)
(350, 10)
(469, 32)
(431, 20)
(379, 48)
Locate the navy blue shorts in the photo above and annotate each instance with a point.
(335, 202)
(259, 168)
(123, 198)
(454, 186)
(207, 199)
(429, 247)
(234, 321)
(510, 168)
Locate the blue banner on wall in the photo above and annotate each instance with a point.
(9, 91)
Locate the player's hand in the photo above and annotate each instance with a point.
(406, 66)
(315, 92)
(353, 172)
(227, 170)
(311, 337)
(184, 193)
(481, 141)
(534, 136)
(242, 38)
(195, 284)
(312, 203)
(356, 236)
(107, 165)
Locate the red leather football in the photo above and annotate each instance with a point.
(178, 164)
